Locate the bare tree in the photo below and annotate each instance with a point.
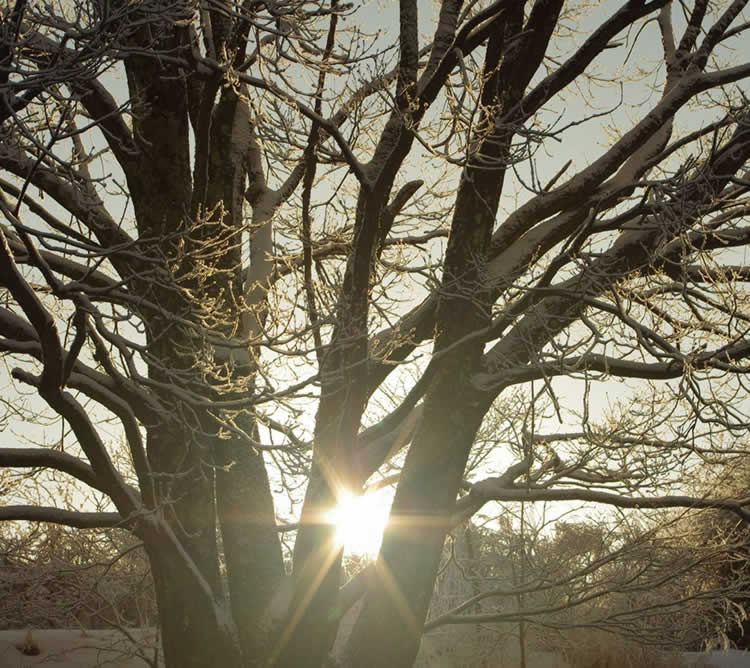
(213, 229)
(669, 580)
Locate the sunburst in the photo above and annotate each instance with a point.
(360, 521)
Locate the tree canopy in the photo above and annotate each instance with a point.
(286, 248)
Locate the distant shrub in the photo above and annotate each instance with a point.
(52, 577)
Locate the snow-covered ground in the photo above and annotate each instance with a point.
(110, 649)
(58, 648)
(731, 658)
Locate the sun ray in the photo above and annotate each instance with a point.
(360, 521)
(325, 559)
(385, 576)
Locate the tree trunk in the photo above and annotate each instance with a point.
(399, 595)
(190, 635)
(252, 550)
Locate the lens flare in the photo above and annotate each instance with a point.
(360, 521)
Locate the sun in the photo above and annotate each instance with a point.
(360, 521)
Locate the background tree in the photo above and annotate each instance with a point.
(212, 229)
(659, 581)
(531, 577)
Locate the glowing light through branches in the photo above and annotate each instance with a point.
(360, 521)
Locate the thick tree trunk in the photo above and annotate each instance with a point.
(388, 632)
(191, 635)
(252, 550)
(311, 625)
(185, 490)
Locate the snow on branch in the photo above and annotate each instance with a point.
(71, 518)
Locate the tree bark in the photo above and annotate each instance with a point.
(190, 638)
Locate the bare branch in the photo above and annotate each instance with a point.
(71, 518)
